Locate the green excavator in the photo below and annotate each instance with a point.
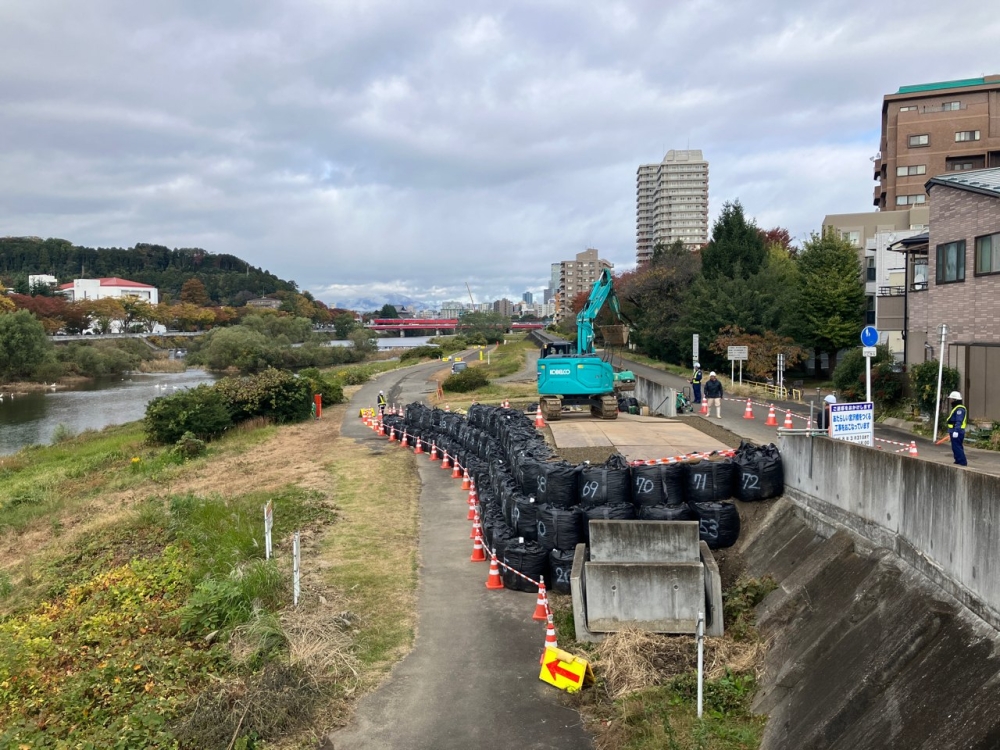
(583, 378)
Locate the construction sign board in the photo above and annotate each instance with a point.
(565, 671)
(854, 423)
(737, 353)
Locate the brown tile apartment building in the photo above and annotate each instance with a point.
(963, 286)
(577, 276)
(931, 129)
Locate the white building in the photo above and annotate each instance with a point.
(671, 203)
(39, 279)
(93, 289)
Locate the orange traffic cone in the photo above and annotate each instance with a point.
(788, 425)
(473, 502)
(772, 418)
(493, 580)
(542, 605)
(420, 446)
(477, 545)
(475, 524)
(447, 407)
(444, 460)
(539, 422)
(550, 637)
(465, 480)
(704, 406)
(748, 413)
(434, 451)
(809, 423)
(392, 434)
(456, 472)
(404, 442)
(913, 448)
(381, 428)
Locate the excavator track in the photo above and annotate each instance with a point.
(551, 408)
(604, 407)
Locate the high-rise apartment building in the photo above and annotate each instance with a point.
(528, 297)
(933, 128)
(577, 276)
(671, 203)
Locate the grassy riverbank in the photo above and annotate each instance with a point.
(136, 607)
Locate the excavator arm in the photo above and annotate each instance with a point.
(602, 292)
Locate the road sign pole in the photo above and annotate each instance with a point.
(868, 378)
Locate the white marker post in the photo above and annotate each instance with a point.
(296, 588)
(937, 401)
(268, 525)
(701, 660)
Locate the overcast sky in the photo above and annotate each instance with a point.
(379, 146)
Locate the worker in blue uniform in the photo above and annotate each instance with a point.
(956, 424)
(696, 383)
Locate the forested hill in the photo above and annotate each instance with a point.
(228, 279)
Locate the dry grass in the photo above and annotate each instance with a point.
(162, 365)
(633, 659)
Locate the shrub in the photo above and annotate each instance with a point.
(243, 348)
(419, 352)
(276, 394)
(331, 392)
(465, 381)
(200, 411)
(923, 379)
(849, 377)
(189, 446)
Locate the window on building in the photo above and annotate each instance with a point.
(870, 268)
(910, 200)
(951, 105)
(988, 254)
(960, 166)
(911, 170)
(908, 109)
(951, 262)
(854, 237)
(919, 140)
(966, 135)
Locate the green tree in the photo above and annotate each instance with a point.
(832, 303)
(490, 325)
(23, 345)
(365, 341)
(343, 324)
(737, 247)
(388, 311)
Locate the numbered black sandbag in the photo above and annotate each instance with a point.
(559, 528)
(524, 517)
(674, 477)
(605, 484)
(559, 570)
(678, 512)
(718, 523)
(610, 512)
(557, 484)
(709, 481)
(759, 472)
(529, 558)
(647, 485)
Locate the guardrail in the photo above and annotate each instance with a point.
(780, 393)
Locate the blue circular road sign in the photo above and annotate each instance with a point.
(869, 336)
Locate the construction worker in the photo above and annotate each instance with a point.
(713, 392)
(824, 415)
(957, 422)
(381, 404)
(696, 382)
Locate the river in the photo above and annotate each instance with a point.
(32, 418)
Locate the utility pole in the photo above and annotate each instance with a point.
(937, 402)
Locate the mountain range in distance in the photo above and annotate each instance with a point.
(367, 304)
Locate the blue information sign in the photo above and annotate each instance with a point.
(869, 336)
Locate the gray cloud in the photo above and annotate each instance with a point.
(410, 147)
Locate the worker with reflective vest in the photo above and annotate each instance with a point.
(381, 403)
(696, 383)
(957, 422)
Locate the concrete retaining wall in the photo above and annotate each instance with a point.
(942, 520)
(660, 399)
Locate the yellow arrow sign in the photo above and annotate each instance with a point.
(565, 671)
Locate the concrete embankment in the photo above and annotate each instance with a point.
(882, 629)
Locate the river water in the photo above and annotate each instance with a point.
(32, 418)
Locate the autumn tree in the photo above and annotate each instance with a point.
(105, 312)
(762, 350)
(194, 293)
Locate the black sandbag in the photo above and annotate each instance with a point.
(718, 523)
(559, 528)
(559, 570)
(605, 484)
(709, 481)
(759, 472)
(647, 485)
(557, 484)
(610, 512)
(679, 512)
(530, 558)
(674, 478)
(524, 517)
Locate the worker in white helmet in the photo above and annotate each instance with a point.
(958, 419)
